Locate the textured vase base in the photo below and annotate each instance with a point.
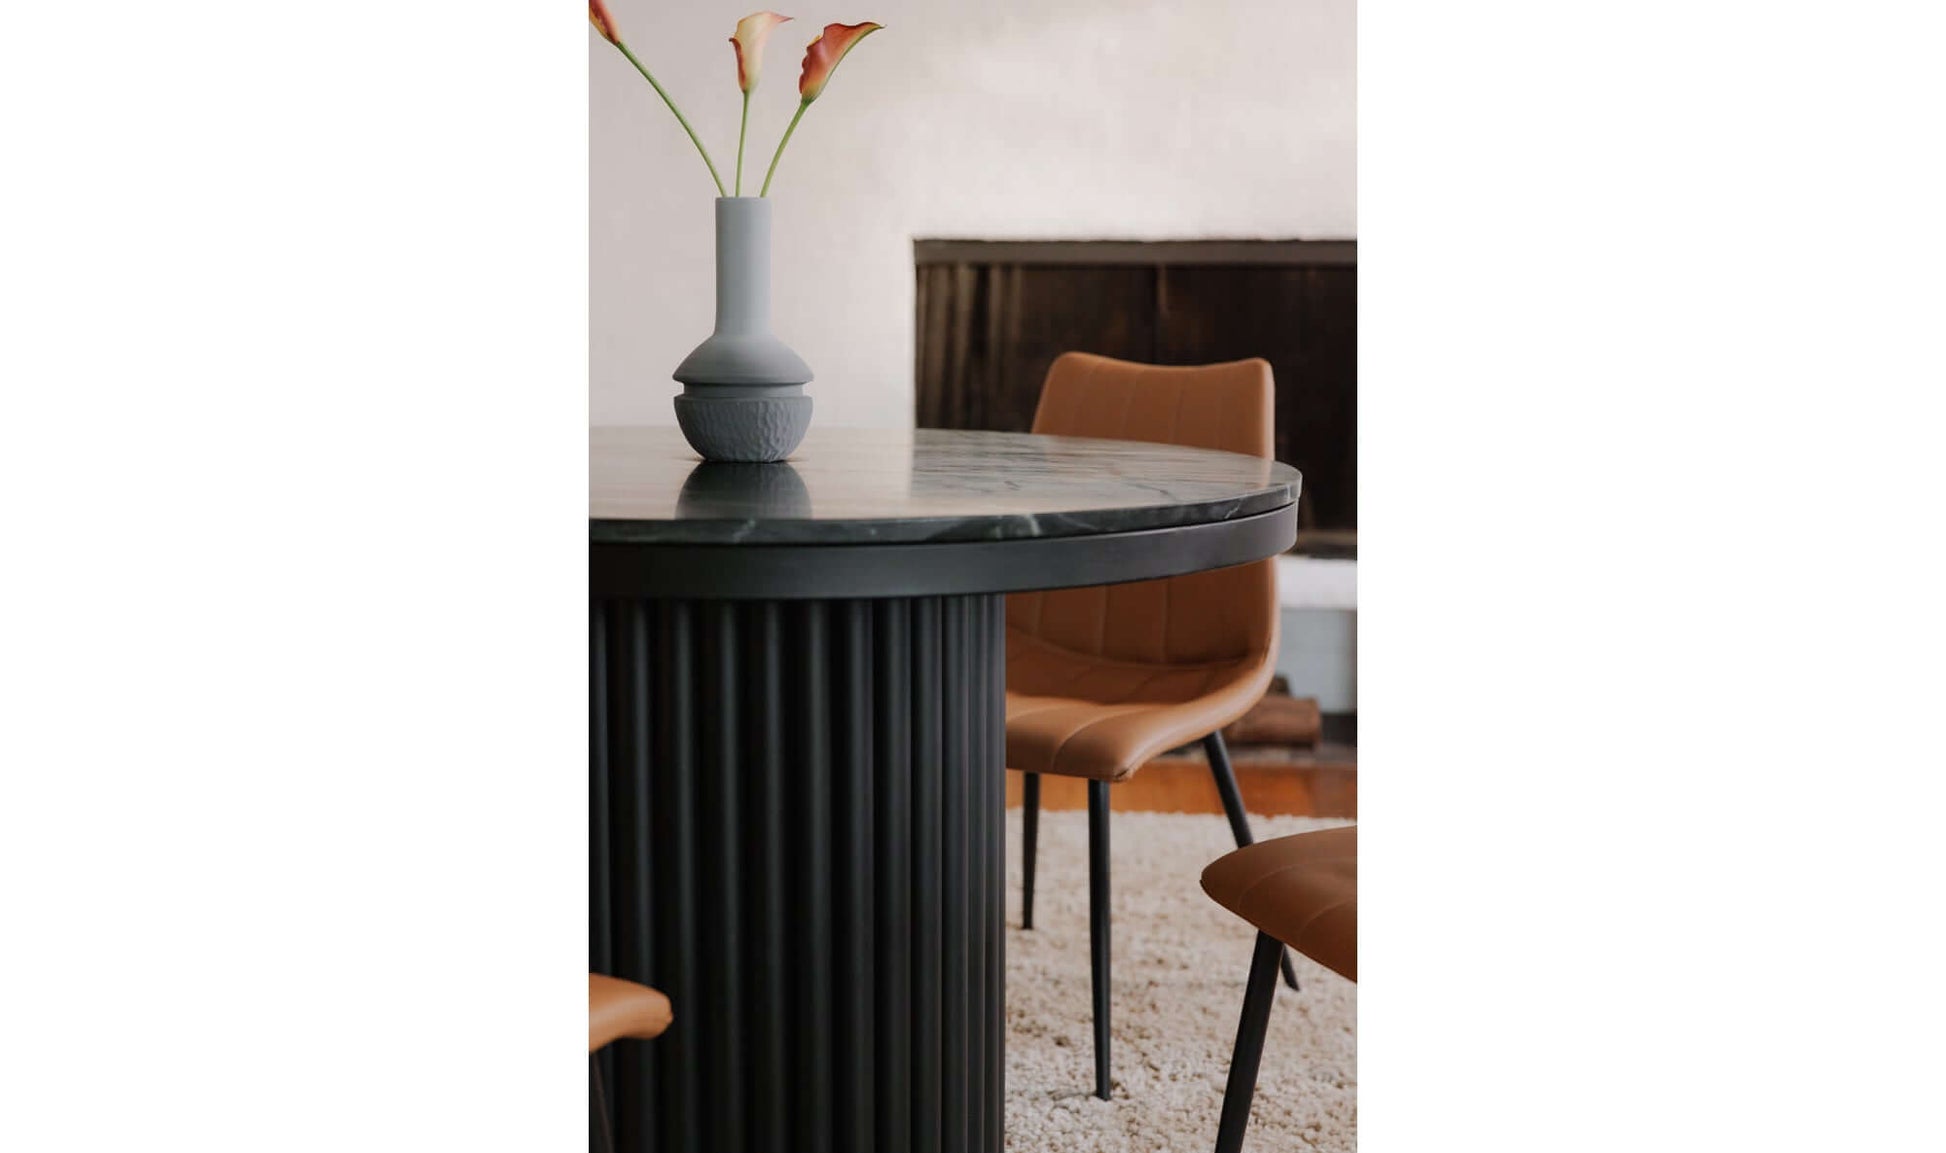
(748, 429)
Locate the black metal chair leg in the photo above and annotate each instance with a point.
(1248, 1055)
(1226, 784)
(1030, 829)
(1098, 924)
(599, 1137)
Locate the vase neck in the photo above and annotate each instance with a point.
(742, 264)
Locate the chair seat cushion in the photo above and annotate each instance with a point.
(618, 1008)
(1078, 715)
(1302, 890)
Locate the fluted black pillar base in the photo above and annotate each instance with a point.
(796, 834)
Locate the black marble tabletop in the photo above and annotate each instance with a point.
(856, 486)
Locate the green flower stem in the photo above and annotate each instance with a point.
(743, 129)
(679, 116)
(802, 105)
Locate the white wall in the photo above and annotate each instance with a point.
(1002, 119)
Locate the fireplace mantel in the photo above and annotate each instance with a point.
(1280, 253)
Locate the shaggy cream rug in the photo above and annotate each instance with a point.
(1179, 966)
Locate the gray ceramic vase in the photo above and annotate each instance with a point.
(743, 389)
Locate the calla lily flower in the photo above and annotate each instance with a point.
(822, 55)
(603, 22)
(751, 33)
(821, 58)
(748, 41)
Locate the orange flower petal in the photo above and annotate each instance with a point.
(822, 55)
(751, 32)
(603, 22)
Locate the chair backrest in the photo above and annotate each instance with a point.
(1221, 615)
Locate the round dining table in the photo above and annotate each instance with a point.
(797, 695)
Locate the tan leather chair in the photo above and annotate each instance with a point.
(618, 1009)
(1300, 891)
(1100, 680)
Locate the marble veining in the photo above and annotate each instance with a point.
(858, 486)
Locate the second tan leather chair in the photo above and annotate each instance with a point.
(1100, 680)
(1300, 891)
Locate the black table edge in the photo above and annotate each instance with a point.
(822, 572)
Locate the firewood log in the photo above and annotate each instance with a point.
(1278, 720)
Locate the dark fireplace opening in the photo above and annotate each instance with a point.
(993, 315)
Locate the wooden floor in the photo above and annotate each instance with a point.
(1323, 783)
